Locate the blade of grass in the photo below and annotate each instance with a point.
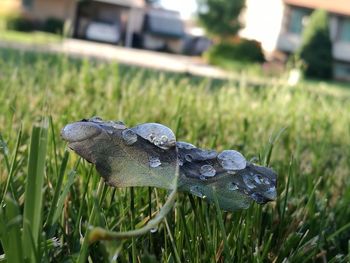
(33, 189)
(222, 227)
(12, 168)
(56, 196)
(85, 246)
(10, 231)
(272, 141)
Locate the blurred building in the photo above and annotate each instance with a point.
(278, 25)
(130, 23)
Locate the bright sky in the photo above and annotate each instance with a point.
(185, 7)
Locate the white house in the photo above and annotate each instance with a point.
(278, 25)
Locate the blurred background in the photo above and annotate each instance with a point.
(228, 34)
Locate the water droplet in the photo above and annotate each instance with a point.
(188, 158)
(195, 190)
(232, 186)
(96, 119)
(153, 230)
(129, 137)
(154, 162)
(158, 134)
(180, 162)
(249, 181)
(185, 145)
(270, 194)
(207, 171)
(119, 125)
(257, 178)
(232, 160)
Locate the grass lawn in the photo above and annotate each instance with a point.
(52, 194)
(36, 37)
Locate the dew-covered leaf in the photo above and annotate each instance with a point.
(148, 155)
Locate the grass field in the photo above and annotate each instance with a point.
(52, 196)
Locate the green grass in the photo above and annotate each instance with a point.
(51, 194)
(36, 37)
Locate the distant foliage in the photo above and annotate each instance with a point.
(220, 17)
(243, 50)
(316, 48)
(19, 24)
(53, 25)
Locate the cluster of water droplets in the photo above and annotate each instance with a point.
(158, 134)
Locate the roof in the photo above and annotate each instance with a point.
(128, 3)
(341, 7)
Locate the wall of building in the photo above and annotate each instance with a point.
(44, 9)
(263, 22)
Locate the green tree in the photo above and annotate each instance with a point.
(220, 17)
(316, 47)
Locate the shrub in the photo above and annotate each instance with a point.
(243, 50)
(53, 25)
(316, 47)
(20, 24)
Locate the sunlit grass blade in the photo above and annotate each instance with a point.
(32, 219)
(268, 152)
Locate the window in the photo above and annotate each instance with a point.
(344, 33)
(298, 19)
(342, 71)
(27, 3)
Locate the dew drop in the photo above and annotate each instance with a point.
(188, 158)
(129, 137)
(154, 162)
(257, 178)
(249, 181)
(119, 125)
(270, 194)
(232, 186)
(185, 145)
(207, 171)
(96, 119)
(153, 230)
(158, 134)
(208, 154)
(232, 160)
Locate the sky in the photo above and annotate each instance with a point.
(185, 7)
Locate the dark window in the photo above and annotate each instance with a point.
(162, 23)
(344, 30)
(297, 20)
